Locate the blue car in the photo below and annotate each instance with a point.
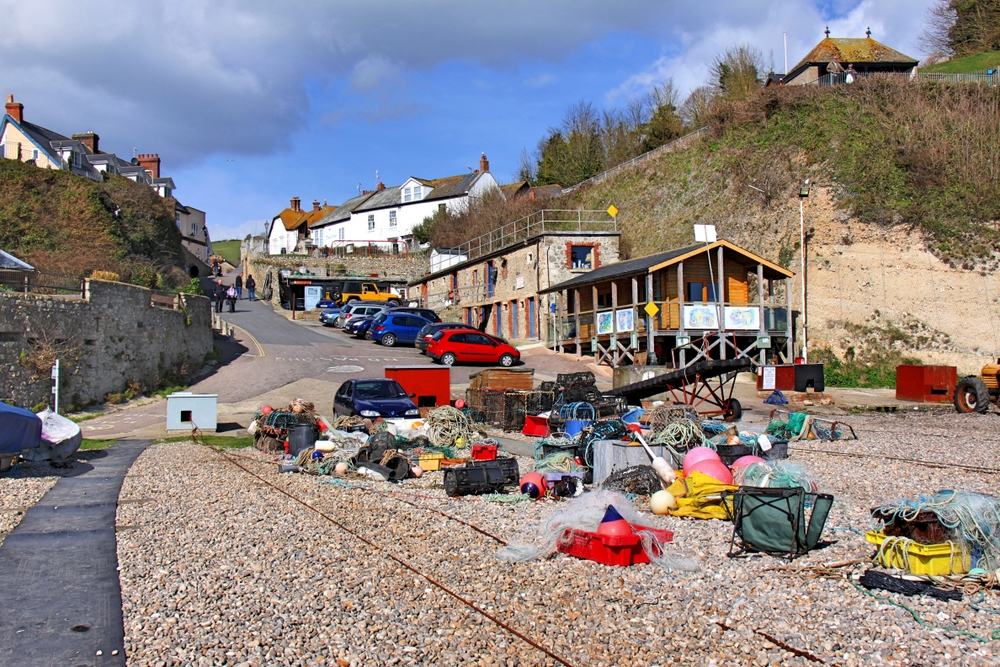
(391, 328)
(328, 315)
(374, 397)
(359, 327)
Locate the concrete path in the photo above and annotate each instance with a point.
(61, 600)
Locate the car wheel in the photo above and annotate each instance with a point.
(368, 335)
(393, 303)
(389, 340)
(448, 359)
(506, 359)
(353, 299)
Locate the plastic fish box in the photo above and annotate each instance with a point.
(933, 559)
(430, 460)
(621, 550)
(484, 452)
(537, 427)
(557, 476)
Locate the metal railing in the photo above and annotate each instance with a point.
(982, 77)
(659, 150)
(39, 282)
(986, 77)
(348, 248)
(546, 220)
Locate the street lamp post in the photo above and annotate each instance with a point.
(803, 194)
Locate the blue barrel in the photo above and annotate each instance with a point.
(574, 426)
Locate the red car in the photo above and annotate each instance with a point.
(451, 345)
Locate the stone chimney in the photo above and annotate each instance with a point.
(380, 187)
(88, 139)
(296, 204)
(15, 109)
(315, 204)
(484, 164)
(151, 163)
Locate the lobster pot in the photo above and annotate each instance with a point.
(518, 404)
(492, 407)
(612, 455)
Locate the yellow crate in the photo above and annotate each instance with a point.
(430, 460)
(932, 559)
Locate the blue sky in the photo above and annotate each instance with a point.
(250, 102)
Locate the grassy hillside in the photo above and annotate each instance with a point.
(894, 153)
(66, 224)
(230, 250)
(980, 61)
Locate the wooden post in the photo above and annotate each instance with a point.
(760, 302)
(635, 315)
(556, 320)
(789, 321)
(651, 359)
(720, 296)
(576, 315)
(680, 308)
(614, 323)
(593, 331)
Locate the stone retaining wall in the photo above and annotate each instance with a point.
(111, 337)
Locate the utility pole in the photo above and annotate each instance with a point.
(785, 37)
(803, 194)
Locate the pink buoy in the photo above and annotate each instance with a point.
(714, 469)
(614, 524)
(699, 454)
(744, 461)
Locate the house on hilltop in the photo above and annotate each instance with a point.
(834, 55)
(289, 230)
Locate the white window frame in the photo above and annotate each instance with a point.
(341, 233)
(417, 194)
(371, 222)
(406, 194)
(194, 229)
(392, 219)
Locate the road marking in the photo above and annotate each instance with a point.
(345, 369)
(260, 348)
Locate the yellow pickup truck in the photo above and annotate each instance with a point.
(356, 290)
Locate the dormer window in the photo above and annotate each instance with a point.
(416, 193)
(406, 194)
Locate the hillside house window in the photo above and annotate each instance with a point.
(371, 222)
(340, 234)
(177, 218)
(194, 229)
(319, 237)
(406, 194)
(416, 192)
(34, 154)
(582, 257)
(392, 218)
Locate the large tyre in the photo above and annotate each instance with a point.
(389, 340)
(394, 303)
(506, 359)
(971, 395)
(448, 359)
(734, 411)
(351, 300)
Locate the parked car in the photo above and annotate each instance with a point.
(355, 290)
(329, 316)
(360, 326)
(373, 397)
(424, 335)
(454, 345)
(360, 310)
(393, 327)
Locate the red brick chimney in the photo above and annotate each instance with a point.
(15, 109)
(315, 204)
(484, 164)
(88, 139)
(151, 163)
(380, 187)
(296, 204)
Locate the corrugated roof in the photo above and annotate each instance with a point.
(853, 50)
(8, 261)
(343, 212)
(611, 271)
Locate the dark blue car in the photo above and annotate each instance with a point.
(392, 327)
(374, 397)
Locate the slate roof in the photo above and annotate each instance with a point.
(343, 212)
(450, 186)
(41, 135)
(8, 261)
(383, 199)
(620, 269)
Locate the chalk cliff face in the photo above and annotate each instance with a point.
(64, 224)
(900, 221)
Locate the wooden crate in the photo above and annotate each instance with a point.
(522, 379)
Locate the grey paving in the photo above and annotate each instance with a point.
(60, 601)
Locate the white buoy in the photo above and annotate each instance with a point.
(662, 502)
(663, 469)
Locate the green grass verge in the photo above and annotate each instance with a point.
(980, 61)
(230, 250)
(88, 444)
(214, 440)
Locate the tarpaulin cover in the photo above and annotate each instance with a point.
(61, 438)
(19, 429)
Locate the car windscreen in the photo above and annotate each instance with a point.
(376, 389)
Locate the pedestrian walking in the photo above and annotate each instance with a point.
(219, 293)
(251, 287)
(231, 299)
(239, 287)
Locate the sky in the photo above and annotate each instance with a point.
(251, 102)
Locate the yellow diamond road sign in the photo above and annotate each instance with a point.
(651, 309)
(612, 210)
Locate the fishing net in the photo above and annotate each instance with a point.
(775, 475)
(557, 462)
(447, 425)
(663, 415)
(636, 481)
(680, 436)
(974, 519)
(611, 429)
(586, 513)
